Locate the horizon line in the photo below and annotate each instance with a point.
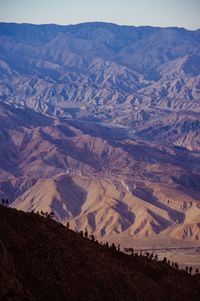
(100, 22)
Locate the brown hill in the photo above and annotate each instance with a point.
(43, 260)
(116, 188)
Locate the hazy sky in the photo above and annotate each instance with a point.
(182, 13)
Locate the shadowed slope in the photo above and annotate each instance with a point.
(42, 260)
(123, 74)
(87, 173)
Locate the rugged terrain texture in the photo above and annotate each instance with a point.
(101, 124)
(43, 260)
(99, 179)
(133, 76)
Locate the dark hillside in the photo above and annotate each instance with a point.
(43, 260)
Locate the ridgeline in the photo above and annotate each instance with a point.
(44, 260)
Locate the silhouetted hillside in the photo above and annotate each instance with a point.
(43, 260)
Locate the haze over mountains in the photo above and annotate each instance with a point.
(101, 123)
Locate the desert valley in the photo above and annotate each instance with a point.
(99, 150)
(103, 128)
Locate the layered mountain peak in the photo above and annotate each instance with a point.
(100, 123)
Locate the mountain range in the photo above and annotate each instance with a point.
(100, 123)
(99, 179)
(98, 69)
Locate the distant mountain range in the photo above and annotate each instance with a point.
(103, 67)
(101, 124)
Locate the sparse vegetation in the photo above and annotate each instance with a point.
(44, 260)
(4, 202)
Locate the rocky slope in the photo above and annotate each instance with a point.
(120, 74)
(100, 123)
(87, 173)
(100, 65)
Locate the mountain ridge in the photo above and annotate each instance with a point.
(112, 112)
(99, 179)
(108, 72)
(41, 259)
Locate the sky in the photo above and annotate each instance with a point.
(164, 13)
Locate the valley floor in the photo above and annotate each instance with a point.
(184, 257)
